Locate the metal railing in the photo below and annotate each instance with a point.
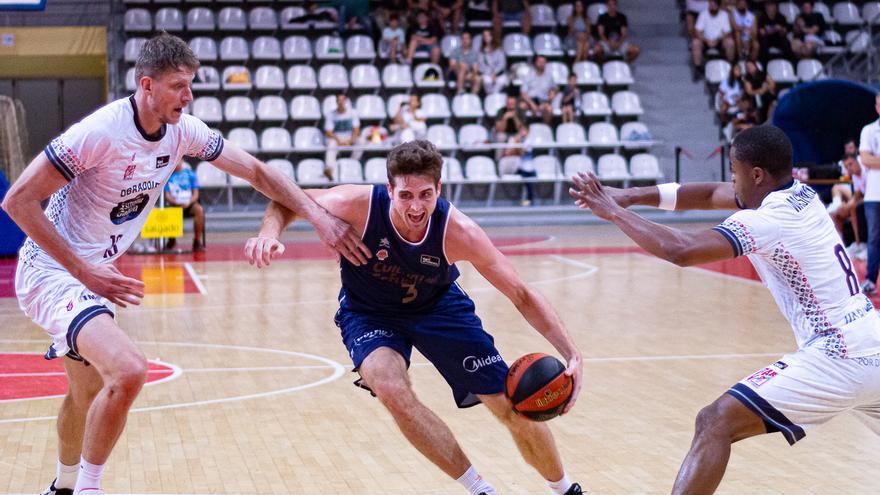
(855, 62)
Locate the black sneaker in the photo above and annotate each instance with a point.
(575, 489)
(57, 491)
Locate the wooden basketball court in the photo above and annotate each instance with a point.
(251, 388)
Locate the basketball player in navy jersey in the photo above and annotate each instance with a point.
(406, 296)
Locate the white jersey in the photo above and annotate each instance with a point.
(792, 242)
(116, 173)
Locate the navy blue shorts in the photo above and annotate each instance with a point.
(451, 336)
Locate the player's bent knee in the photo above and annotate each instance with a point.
(394, 393)
(129, 376)
(712, 420)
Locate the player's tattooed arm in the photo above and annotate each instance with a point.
(466, 241)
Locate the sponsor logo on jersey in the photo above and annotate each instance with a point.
(129, 209)
(781, 365)
(162, 161)
(761, 377)
(472, 364)
(70, 306)
(146, 185)
(382, 254)
(384, 243)
(372, 335)
(427, 259)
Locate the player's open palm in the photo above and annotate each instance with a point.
(108, 282)
(588, 192)
(262, 250)
(343, 238)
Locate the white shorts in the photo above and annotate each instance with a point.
(59, 303)
(807, 388)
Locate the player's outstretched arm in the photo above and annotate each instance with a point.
(22, 202)
(465, 240)
(350, 203)
(673, 245)
(694, 196)
(274, 185)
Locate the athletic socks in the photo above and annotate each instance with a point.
(65, 476)
(89, 477)
(475, 484)
(560, 487)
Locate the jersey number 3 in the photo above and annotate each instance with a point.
(411, 293)
(852, 281)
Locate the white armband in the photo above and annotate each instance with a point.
(668, 195)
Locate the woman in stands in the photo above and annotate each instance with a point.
(760, 87)
(729, 92)
(492, 64)
(578, 38)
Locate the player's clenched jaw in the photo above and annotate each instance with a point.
(413, 200)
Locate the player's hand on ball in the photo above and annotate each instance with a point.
(108, 282)
(589, 193)
(262, 250)
(574, 370)
(343, 239)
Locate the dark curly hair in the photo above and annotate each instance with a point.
(764, 146)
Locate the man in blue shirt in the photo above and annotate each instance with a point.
(182, 190)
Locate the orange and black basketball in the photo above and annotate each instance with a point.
(538, 386)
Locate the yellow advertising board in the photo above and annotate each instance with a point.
(164, 222)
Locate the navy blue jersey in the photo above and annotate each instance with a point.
(402, 277)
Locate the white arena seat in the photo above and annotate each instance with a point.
(305, 107)
(245, 138)
(275, 139)
(269, 77)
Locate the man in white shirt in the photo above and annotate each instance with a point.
(745, 26)
(538, 91)
(783, 228)
(101, 177)
(712, 31)
(342, 128)
(869, 152)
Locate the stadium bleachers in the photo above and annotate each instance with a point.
(268, 81)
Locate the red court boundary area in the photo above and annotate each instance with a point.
(29, 376)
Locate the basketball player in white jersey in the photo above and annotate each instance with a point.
(102, 176)
(790, 239)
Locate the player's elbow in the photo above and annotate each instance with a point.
(678, 254)
(11, 202)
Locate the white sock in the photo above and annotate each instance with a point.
(89, 477)
(561, 486)
(475, 483)
(65, 476)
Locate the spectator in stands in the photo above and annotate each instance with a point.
(713, 31)
(773, 32)
(613, 30)
(410, 122)
(463, 64)
(394, 37)
(510, 124)
(729, 92)
(846, 202)
(478, 10)
(692, 9)
(745, 30)
(182, 190)
(511, 11)
(492, 64)
(809, 27)
(869, 152)
(849, 147)
(760, 87)
(424, 36)
(342, 128)
(746, 116)
(571, 100)
(449, 11)
(314, 14)
(539, 89)
(353, 15)
(578, 37)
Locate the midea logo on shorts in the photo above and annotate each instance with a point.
(472, 363)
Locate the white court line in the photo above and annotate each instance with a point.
(195, 278)
(338, 371)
